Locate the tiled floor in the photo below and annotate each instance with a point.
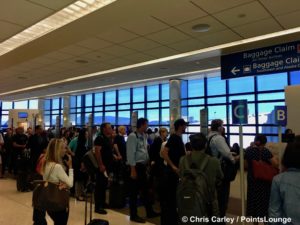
(15, 209)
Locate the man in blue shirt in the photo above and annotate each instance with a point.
(138, 159)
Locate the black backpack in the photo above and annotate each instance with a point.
(229, 169)
(194, 196)
(90, 162)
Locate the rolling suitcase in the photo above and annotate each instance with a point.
(92, 221)
(117, 196)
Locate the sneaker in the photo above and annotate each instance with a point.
(101, 211)
(153, 214)
(137, 219)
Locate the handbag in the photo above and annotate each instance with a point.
(263, 170)
(48, 196)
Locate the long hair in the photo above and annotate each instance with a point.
(81, 141)
(53, 152)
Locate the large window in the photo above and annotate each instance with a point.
(116, 106)
(262, 92)
(6, 106)
(152, 101)
(53, 111)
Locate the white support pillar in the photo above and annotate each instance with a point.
(66, 111)
(175, 102)
(40, 117)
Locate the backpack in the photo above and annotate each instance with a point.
(194, 196)
(229, 169)
(90, 162)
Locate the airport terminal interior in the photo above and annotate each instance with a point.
(82, 63)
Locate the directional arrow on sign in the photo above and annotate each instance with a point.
(234, 70)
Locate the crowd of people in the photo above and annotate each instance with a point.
(153, 167)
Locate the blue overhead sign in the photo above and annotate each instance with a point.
(273, 59)
(239, 112)
(281, 115)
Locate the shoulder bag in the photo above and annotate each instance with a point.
(48, 196)
(262, 170)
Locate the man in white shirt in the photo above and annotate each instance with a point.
(220, 149)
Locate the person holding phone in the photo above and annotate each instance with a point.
(53, 171)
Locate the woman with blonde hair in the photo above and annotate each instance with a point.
(53, 171)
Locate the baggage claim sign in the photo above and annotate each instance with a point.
(273, 59)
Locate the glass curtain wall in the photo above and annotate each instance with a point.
(116, 106)
(262, 92)
(6, 106)
(52, 109)
(152, 101)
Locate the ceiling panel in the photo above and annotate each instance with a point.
(119, 62)
(97, 56)
(258, 28)
(213, 6)
(141, 44)
(75, 50)
(243, 14)
(161, 52)
(279, 7)
(44, 60)
(8, 30)
(118, 50)
(117, 35)
(188, 45)
(290, 20)
(58, 55)
(145, 25)
(138, 57)
(214, 24)
(23, 12)
(214, 39)
(53, 4)
(30, 65)
(168, 36)
(183, 11)
(94, 43)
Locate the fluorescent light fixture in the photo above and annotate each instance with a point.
(59, 19)
(173, 57)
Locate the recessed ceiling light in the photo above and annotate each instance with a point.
(201, 28)
(81, 61)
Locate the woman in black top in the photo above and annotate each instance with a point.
(258, 193)
(80, 174)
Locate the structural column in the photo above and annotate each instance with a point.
(40, 118)
(66, 111)
(175, 102)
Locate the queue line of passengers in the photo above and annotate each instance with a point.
(164, 158)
